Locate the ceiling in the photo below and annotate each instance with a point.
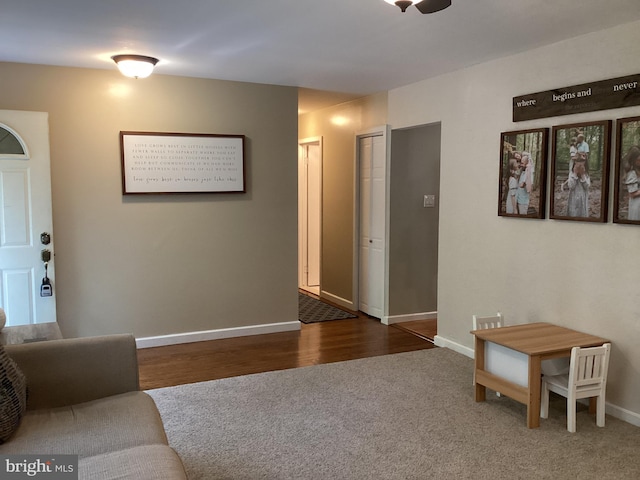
(350, 48)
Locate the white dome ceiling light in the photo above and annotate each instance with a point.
(135, 66)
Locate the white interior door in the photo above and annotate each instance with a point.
(372, 227)
(25, 213)
(310, 216)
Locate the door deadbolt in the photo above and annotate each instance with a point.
(45, 238)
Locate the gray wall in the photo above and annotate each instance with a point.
(413, 239)
(155, 265)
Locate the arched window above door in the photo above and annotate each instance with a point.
(11, 145)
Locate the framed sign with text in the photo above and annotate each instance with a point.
(182, 163)
(589, 97)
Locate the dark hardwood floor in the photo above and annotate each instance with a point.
(426, 329)
(314, 344)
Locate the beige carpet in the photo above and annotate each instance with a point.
(403, 416)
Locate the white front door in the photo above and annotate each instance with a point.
(372, 208)
(25, 214)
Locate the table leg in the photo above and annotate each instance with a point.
(533, 409)
(480, 390)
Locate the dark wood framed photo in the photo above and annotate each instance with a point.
(580, 171)
(155, 162)
(626, 198)
(522, 183)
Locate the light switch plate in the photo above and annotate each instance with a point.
(429, 201)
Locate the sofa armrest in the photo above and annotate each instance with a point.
(69, 371)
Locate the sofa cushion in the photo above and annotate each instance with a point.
(13, 396)
(149, 462)
(77, 370)
(86, 429)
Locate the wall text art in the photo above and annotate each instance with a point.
(589, 97)
(181, 163)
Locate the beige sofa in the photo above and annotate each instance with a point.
(84, 399)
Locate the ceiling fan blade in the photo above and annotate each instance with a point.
(432, 6)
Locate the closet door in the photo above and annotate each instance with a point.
(372, 179)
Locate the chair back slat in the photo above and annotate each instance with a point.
(485, 322)
(589, 366)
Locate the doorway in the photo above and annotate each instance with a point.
(26, 226)
(414, 231)
(310, 214)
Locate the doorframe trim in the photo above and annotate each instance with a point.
(385, 132)
(301, 143)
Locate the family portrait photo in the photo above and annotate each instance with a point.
(521, 191)
(627, 185)
(580, 167)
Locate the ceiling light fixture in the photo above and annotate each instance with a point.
(135, 66)
(402, 4)
(425, 6)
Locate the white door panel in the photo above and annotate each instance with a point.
(372, 224)
(15, 216)
(25, 213)
(18, 292)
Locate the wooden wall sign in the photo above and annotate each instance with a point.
(181, 163)
(588, 97)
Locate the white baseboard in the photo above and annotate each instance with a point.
(614, 410)
(441, 341)
(343, 302)
(188, 337)
(409, 317)
(623, 414)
